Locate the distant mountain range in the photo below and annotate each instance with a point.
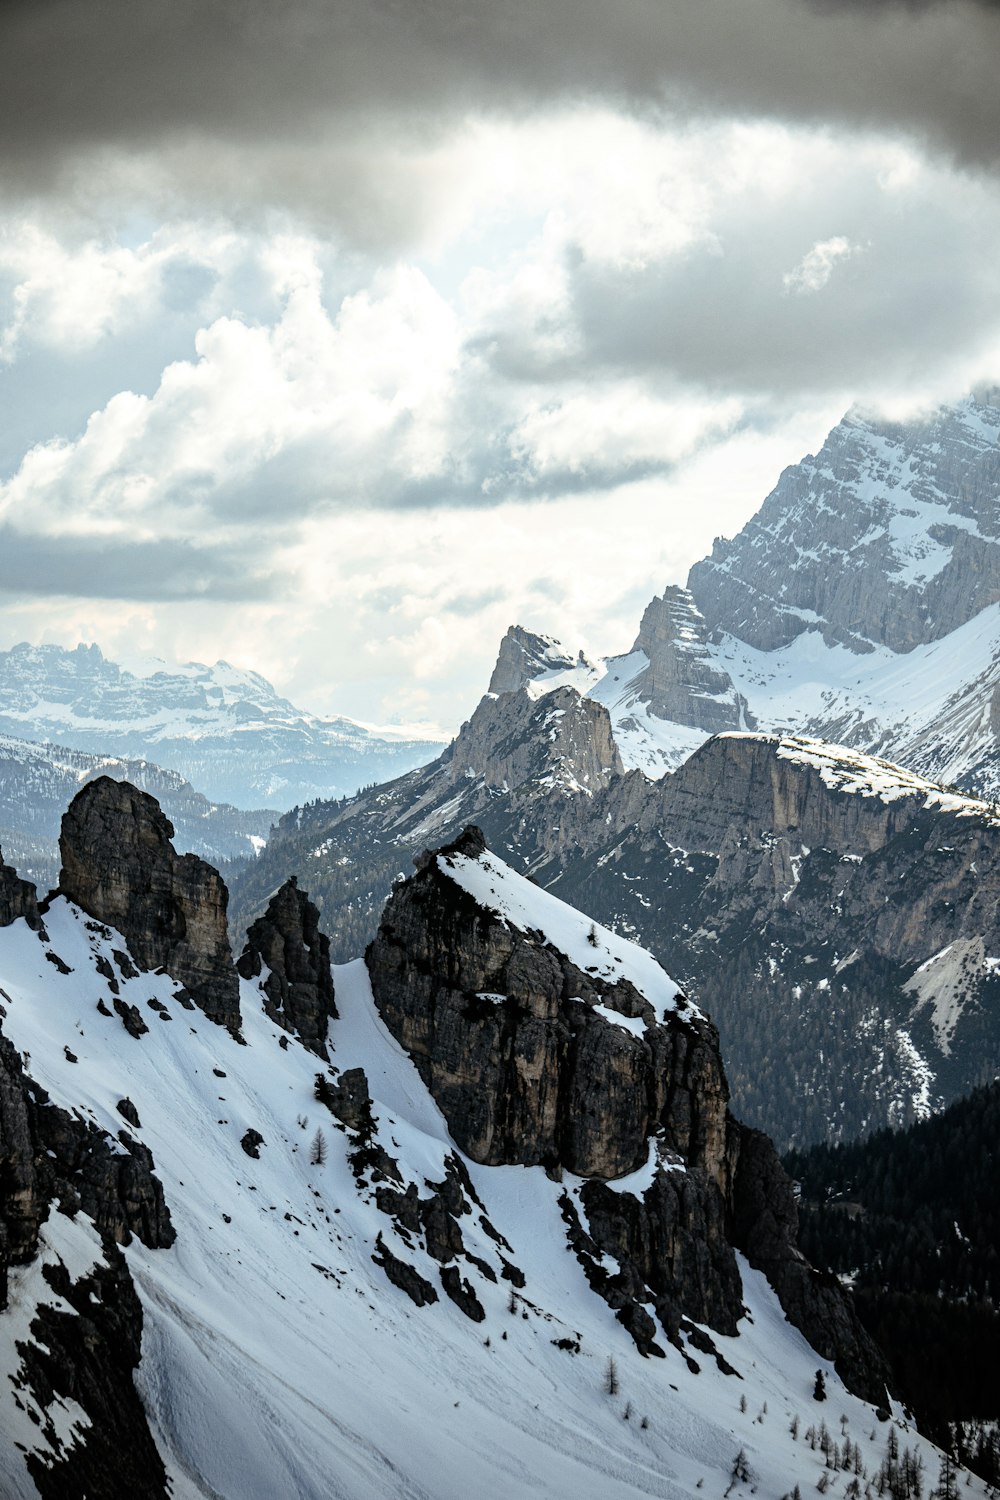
(37, 783)
(225, 730)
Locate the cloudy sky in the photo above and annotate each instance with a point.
(337, 335)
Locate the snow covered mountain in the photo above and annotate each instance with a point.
(37, 783)
(225, 730)
(860, 605)
(374, 1262)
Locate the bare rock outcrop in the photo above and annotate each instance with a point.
(520, 1048)
(506, 1033)
(287, 943)
(889, 536)
(119, 866)
(18, 898)
(682, 683)
(53, 1162)
(563, 739)
(525, 656)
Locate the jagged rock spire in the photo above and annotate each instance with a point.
(299, 985)
(119, 866)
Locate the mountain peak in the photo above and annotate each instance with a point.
(524, 656)
(889, 536)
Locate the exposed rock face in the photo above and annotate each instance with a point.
(46, 1154)
(562, 737)
(524, 657)
(18, 898)
(505, 1032)
(503, 1029)
(682, 683)
(119, 865)
(299, 985)
(890, 535)
(90, 1352)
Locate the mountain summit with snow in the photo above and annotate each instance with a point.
(861, 604)
(495, 1229)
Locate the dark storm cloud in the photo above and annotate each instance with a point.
(133, 75)
(99, 568)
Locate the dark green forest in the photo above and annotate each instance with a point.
(913, 1218)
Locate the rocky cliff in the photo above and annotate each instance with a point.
(524, 657)
(287, 948)
(18, 898)
(83, 1341)
(119, 866)
(890, 536)
(548, 1042)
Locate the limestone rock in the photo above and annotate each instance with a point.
(299, 985)
(119, 866)
(562, 737)
(518, 1045)
(682, 683)
(534, 1073)
(524, 657)
(890, 536)
(88, 1349)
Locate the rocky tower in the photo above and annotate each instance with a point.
(119, 866)
(287, 942)
(682, 683)
(538, 1057)
(524, 657)
(561, 739)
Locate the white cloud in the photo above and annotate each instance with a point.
(818, 264)
(587, 367)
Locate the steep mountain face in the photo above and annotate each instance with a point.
(516, 756)
(423, 1322)
(890, 536)
(227, 731)
(37, 783)
(834, 914)
(681, 682)
(524, 657)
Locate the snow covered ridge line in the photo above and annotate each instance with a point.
(592, 948)
(847, 770)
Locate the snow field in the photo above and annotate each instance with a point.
(278, 1361)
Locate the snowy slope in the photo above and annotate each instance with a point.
(278, 1360)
